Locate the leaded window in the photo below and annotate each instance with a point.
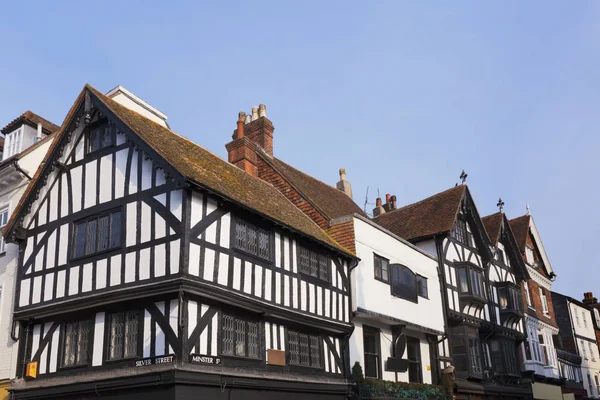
(381, 268)
(304, 349)
(460, 233)
(99, 137)
(313, 263)
(97, 234)
(239, 337)
(76, 343)
(123, 335)
(471, 281)
(252, 239)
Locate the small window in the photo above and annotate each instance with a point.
(422, 286)
(99, 137)
(381, 268)
(584, 318)
(592, 353)
(239, 337)
(501, 258)
(474, 349)
(460, 233)
(372, 352)
(123, 335)
(3, 222)
(527, 295)
(12, 144)
(403, 282)
(582, 345)
(252, 239)
(529, 255)
(76, 344)
(97, 234)
(471, 282)
(597, 316)
(313, 264)
(304, 350)
(544, 300)
(413, 354)
(509, 298)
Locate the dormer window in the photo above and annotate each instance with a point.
(99, 137)
(529, 255)
(13, 143)
(500, 256)
(470, 281)
(460, 233)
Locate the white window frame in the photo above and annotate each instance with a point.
(4, 213)
(584, 319)
(13, 143)
(527, 294)
(585, 355)
(592, 353)
(529, 255)
(544, 301)
(576, 311)
(597, 315)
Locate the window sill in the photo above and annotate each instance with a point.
(126, 359)
(257, 259)
(72, 367)
(99, 253)
(382, 280)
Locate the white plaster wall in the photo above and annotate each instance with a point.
(428, 246)
(374, 295)
(357, 348)
(581, 329)
(8, 265)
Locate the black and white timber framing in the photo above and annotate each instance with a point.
(481, 338)
(176, 263)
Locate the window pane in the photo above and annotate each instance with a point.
(131, 333)
(403, 282)
(79, 242)
(252, 240)
(103, 230)
(315, 352)
(117, 330)
(422, 286)
(70, 346)
(240, 235)
(314, 268)
(240, 337)
(263, 244)
(384, 270)
(252, 339)
(82, 345)
(115, 229)
(462, 280)
(371, 366)
(294, 348)
(304, 261)
(502, 298)
(92, 231)
(304, 359)
(227, 331)
(324, 268)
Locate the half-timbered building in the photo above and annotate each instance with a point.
(150, 268)
(479, 346)
(540, 361)
(27, 139)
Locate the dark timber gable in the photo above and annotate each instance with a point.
(115, 234)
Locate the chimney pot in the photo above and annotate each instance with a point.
(240, 125)
(39, 130)
(248, 118)
(262, 110)
(379, 209)
(254, 113)
(393, 201)
(387, 198)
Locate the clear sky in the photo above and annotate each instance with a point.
(402, 94)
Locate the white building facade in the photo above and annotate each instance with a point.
(396, 292)
(25, 147)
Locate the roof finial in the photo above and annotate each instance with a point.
(500, 204)
(527, 207)
(463, 176)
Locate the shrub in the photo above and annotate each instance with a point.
(402, 390)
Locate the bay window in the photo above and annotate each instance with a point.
(509, 297)
(471, 281)
(466, 351)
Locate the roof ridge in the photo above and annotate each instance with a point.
(419, 202)
(304, 173)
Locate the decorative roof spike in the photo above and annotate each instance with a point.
(463, 176)
(527, 208)
(500, 204)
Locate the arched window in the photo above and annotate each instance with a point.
(403, 282)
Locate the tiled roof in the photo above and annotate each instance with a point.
(1, 143)
(329, 200)
(520, 228)
(31, 118)
(492, 224)
(425, 218)
(200, 166)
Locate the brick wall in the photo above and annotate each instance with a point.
(536, 303)
(267, 173)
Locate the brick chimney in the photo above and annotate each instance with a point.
(378, 210)
(390, 202)
(589, 299)
(259, 129)
(343, 184)
(241, 151)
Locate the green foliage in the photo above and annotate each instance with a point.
(357, 373)
(402, 390)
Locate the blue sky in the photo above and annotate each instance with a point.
(404, 95)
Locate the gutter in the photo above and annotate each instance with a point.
(20, 170)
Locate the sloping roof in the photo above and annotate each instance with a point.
(200, 166)
(492, 224)
(31, 118)
(425, 218)
(520, 228)
(329, 200)
(1, 143)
